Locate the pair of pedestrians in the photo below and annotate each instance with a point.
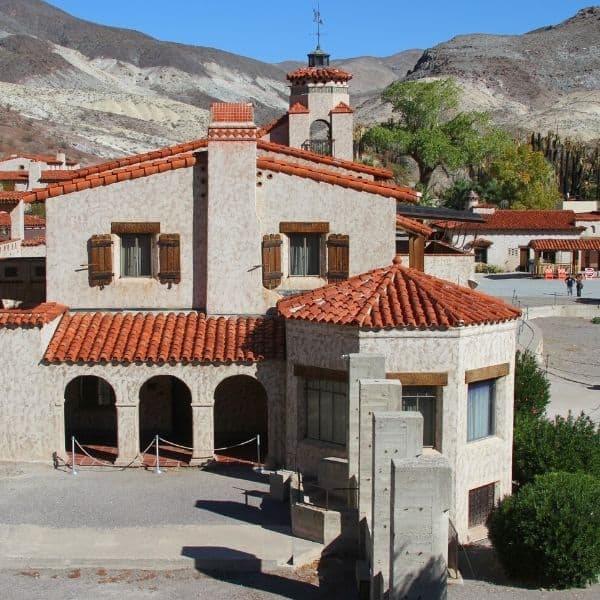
(577, 282)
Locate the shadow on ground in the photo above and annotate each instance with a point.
(331, 579)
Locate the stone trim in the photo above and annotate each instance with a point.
(491, 372)
(408, 378)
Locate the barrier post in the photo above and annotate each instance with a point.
(73, 465)
(158, 471)
(257, 449)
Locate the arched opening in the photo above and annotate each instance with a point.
(319, 138)
(91, 414)
(241, 412)
(320, 130)
(165, 410)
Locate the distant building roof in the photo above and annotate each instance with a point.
(522, 220)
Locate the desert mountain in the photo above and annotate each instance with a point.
(102, 91)
(547, 79)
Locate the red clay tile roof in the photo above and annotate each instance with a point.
(165, 337)
(111, 176)
(58, 174)
(318, 75)
(232, 112)
(14, 175)
(405, 194)
(566, 245)
(397, 297)
(37, 241)
(524, 220)
(266, 129)
(342, 107)
(378, 172)
(298, 109)
(588, 216)
(31, 317)
(413, 226)
(10, 197)
(30, 220)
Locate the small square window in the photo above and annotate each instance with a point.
(136, 255)
(11, 272)
(481, 503)
(305, 254)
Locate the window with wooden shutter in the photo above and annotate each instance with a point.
(168, 258)
(271, 260)
(100, 271)
(338, 257)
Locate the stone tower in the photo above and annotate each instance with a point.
(320, 117)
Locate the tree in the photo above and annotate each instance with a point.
(532, 388)
(432, 131)
(563, 444)
(549, 533)
(523, 178)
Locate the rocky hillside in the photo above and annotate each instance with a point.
(547, 79)
(102, 91)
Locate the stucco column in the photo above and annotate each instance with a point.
(203, 433)
(128, 435)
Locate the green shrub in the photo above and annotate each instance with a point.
(541, 446)
(485, 268)
(532, 388)
(596, 320)
(549, 533)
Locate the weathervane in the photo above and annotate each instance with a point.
(317, 19)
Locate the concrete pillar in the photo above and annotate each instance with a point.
(203, 433)
(128, 434)
(421, 495)
(395, 435)
(17, 222)
(360, 366)
(376, 395)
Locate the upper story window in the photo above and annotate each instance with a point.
(305, 254)
(423, 398)
(136, 255)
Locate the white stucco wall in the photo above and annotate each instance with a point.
(368, 219)
(504, 250)
(457, 268)
(455, 351)
(73, 218)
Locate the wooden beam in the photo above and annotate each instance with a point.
(303, 227)
(491, 372)
(309, 372)
(408, 378)
(139, 227)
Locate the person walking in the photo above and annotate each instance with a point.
(579, 284)
(569, 281)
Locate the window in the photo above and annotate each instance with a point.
(481, 503)
(326, 410)
(480, 409)
(305, 254)
(39, 271)
(422, 399)
(11, 272)
(481, 255)
(135, 255)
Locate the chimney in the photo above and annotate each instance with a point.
(61, 157)
(473, 199)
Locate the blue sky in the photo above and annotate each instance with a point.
(277, 30)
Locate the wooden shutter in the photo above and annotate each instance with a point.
(338, 257)
(100, 260)
(168, 258)
(271, 260)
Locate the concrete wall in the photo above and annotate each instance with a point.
(310, 344)
(454, 351)
(72, 219)
(451, 267)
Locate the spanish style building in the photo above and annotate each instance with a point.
(213, 290)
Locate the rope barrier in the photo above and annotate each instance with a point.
(104, 464)
(174, 444)
(237, 445)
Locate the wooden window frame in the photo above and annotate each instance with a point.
(491, 372)
(304, 227)
(133, 228)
